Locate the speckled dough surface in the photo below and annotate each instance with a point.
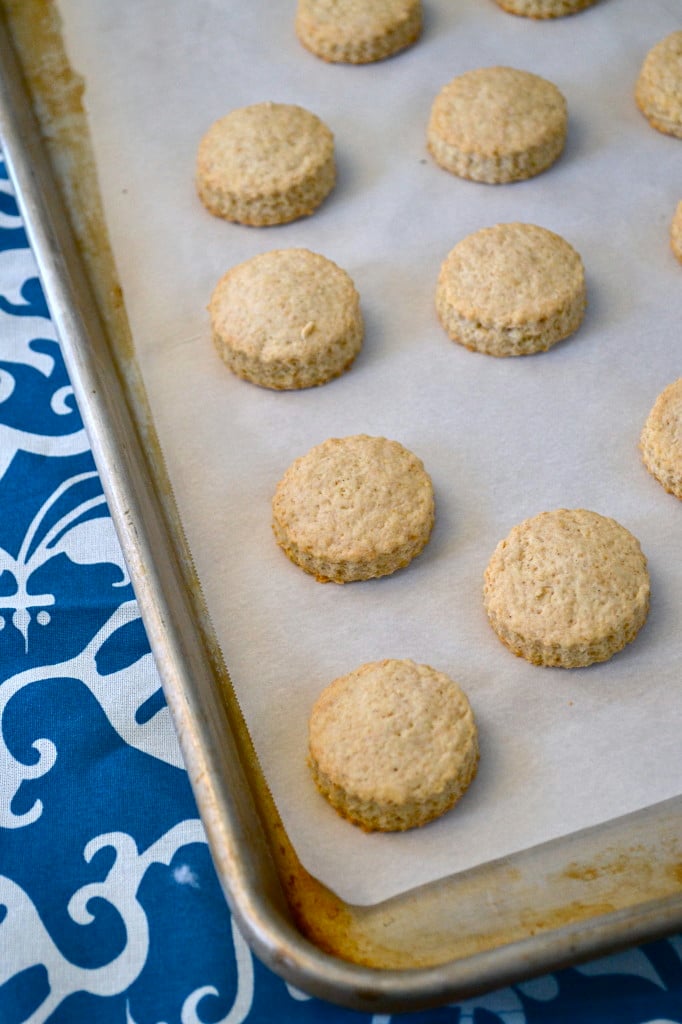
(676, 231)
(512, 289)
(567, 588)
(353, 508)
(544, 8)
(392, 745)
(289, 318)
(497, 125)
(358, 31)
(268, 163)
(658, 90)
(661, 439)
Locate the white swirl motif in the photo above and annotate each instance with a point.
(58, 402)
(17, 335)
(86, 542)
(156, 737)
(119, 889)
(7, 385)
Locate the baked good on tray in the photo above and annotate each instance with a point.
(567, 588)
(392, 745)
(353, 508)
(286, 319)
(268, 163)
(357, 31)
(497, 124)
(511, 290)
(661, 439)
(658, 90)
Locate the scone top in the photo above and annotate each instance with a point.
(568, 588)
(284, 319)
(354, 508)
(497, 124)
(511, 289)
(268, 163)
(393, 744)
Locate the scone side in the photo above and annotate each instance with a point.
(655, 441)
(543, 9)
(572, 656)
(676, 232)
(495, 169)
(373, 816)
(265, 209)
(657, 101)
(501, 339)
(327, 44)
(289, 375)
(662, 124)
(326, 571)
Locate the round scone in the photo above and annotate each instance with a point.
(544, 8)
(392, 745)
(658, 90)
(286, 319)
(353, 508)
(268, 163)
(676, 232)
(497, 124)
(661, 439)
(357, 31)
(567, 588)
(511, 290)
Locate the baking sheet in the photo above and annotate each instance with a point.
(502, 439)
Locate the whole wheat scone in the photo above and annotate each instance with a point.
(544, 8)
(658, 90)
(268, 163)
(497, 124)
(357, 31)
(676, 232)
(392, 745)
(567, 588)
(661, 439)
(286, 319)
(353, 508)
(511, 290)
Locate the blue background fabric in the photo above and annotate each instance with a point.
(110, 910)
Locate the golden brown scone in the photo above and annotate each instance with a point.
(392, 745)
(358, 31)
(544, 8)
(676, 232)
(268, 163)
(658, 90)
(289, 318)
(497, 125)
(353, 508)
(511, 290)
(661, 439)
(567, 588)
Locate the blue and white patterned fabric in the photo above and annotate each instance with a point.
(110, 910)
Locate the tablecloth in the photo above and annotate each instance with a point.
(110, 910)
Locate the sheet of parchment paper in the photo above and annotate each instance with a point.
(503, 439)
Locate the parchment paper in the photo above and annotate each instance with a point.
(502, 439)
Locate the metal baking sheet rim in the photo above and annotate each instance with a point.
(587, 871)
